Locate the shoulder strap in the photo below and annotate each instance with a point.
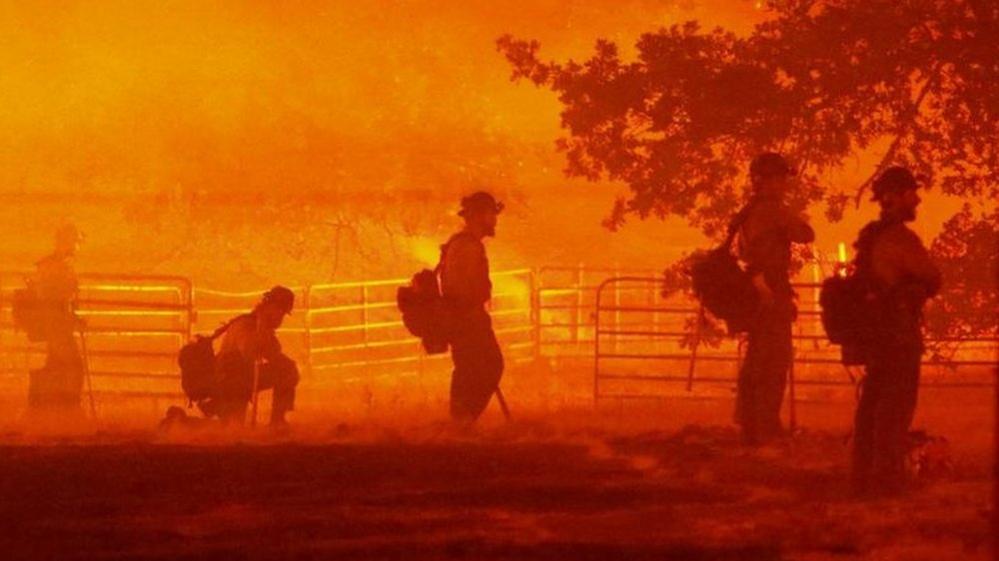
(737, 221)
(864, 245)
(225, 326)
(444, 247)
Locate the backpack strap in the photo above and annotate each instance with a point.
(444, 248)
(736, 224)
(863, 265)
(225, 326)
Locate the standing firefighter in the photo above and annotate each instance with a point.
(57, 386)
(901, 277)
(768, 228)
(249, 352)
(465, 287)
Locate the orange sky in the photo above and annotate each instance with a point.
(131, 81)
(224, 98)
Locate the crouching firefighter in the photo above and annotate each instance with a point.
(465, 289)
(900, 276)
(250, 358)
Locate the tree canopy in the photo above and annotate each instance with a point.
(820, 81)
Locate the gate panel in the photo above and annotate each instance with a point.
(644, 350)
(134, 325)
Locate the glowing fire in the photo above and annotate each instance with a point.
(841, 263)
(427, 251)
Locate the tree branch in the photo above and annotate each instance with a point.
(904, 129)
(885, 161)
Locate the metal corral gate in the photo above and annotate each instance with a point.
(338, 333)
(349, 336)
(347, 332)
(565, 300)
(634, 338)
(352, 328)
(134, 325)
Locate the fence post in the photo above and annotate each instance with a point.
(699, 321)
(579, 306)
(364, 313)
(596, 346)
(650, 299)
(191, 313)
(816, 296)
(535, 313)
(617, 308)
(308, 327)
(657, 317)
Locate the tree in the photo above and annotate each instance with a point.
(820, 81)
(968, 250)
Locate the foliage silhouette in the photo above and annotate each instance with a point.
(820, 81)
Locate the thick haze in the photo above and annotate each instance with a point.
(179, 131)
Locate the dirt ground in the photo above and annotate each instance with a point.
(612, 484)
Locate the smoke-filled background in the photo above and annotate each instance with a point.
(245, 144)
(248, 144)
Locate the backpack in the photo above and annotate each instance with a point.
(197, 364)
(851, 303)
(721, 285)
(846, 305)
(846, 311)
(424, 312)
(31, 314)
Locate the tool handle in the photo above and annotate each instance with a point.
(502, 403)
(254, 396)
(86, 371)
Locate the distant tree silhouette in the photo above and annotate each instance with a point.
(821, 81)
(967, 251)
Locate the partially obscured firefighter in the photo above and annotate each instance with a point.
(466, 288)
(768, 228)
(902, 277)
(249, 349)
(58, 385)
